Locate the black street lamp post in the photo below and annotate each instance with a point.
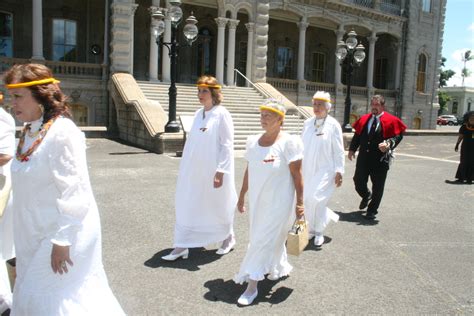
(350, 56)
(190, 31)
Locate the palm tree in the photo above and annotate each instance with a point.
(465, 58)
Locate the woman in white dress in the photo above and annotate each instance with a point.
(56, 221)
(323, 165)
(272, 177)
(7, 151)
(205, 191)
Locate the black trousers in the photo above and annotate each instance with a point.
(378, 175)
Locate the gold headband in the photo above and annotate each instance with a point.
(205, 85)
(322, 99)
(31, 83)
(269, 108)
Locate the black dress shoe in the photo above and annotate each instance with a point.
(369, 216)
(365, 201)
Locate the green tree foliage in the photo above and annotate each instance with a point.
(444, 77)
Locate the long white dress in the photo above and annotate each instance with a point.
(7, 147)
(54, 203)
(204, 214)
(323, 157)
(271, 193)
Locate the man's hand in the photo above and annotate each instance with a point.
(384, 146)
(351, 155)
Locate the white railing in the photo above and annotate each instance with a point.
(320, 86)
(60, 68)
(386, 93)
(284, 84)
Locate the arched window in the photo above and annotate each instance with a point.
(421, 76)
(6, 34)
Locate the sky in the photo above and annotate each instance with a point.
(459, 37)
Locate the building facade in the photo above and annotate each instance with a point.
(289, 44)
(461, 100)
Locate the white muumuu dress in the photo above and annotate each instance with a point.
(323, 157)
(271, 194)
(204, 214)
(54, 203)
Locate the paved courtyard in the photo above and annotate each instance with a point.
(417, 258)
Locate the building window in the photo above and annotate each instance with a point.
(204, 52)
(284, 62)
(79, 114)
(64, 40)
(6, 34)
(455, 107)
(319, 66)
(426, 6)
(468, 106)
(380, 77)
(421, 77)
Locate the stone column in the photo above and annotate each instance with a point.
(337, 71)
(221, 22)
(37, 26)
(261, 41)
(231, 52)
(301, 49)
(121, 46)
(370, 62)
(248, 69)
(398, 65)
(153, 61)
(165, 57)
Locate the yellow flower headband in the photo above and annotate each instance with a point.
(31, 83)
(322, 99)
(205, 85)
(271, 109)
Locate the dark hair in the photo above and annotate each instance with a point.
(49, 95)
(216, 93)
(466, 116)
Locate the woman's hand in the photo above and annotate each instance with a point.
(218, 180)
(59, 258)
(299, 211)
(338, 179)
(241, 204)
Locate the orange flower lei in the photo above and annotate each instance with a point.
(42, 133)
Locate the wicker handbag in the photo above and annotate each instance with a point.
(297, 238)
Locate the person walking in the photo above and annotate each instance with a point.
(323, 165)
(56, 222)
(465, 171)
(7, 251)
(274, 181)
(376, 135)
(205, 190)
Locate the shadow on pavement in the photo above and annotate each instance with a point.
(356, 217)
(197, 257)
(312, 247)
(229, 292)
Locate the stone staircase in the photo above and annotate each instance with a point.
(242, 103)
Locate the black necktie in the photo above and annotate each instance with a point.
(373, 127)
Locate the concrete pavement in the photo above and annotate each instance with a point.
(416, 258)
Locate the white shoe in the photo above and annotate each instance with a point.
(173, 257)
(273, 277)
(226, 250)
(318, 240)
(247, 300)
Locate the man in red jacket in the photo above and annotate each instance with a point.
(376, 135)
